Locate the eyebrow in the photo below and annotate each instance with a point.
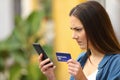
(76, 27)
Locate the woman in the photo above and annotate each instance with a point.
(93, 31)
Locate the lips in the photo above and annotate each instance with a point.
(79, 42)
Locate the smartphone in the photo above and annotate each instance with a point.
(40, 50)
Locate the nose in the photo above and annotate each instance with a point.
(74, 35)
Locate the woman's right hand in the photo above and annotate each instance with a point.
(75, 69)
(46, 69)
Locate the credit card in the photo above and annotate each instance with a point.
(63, 57)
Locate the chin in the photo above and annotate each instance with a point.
(83, 47)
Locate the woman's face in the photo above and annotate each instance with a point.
(78, 32)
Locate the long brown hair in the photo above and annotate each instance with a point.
(97, 26)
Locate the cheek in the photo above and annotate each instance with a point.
(84, 41)
(83, 36)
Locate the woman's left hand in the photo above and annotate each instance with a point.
(75, 69)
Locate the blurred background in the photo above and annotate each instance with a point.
(23, 22)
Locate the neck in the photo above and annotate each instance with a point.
(95, 56)
(95, 53)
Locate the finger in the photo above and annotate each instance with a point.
(44, 62)
(73, 68)
(75, 64)
(71, 65)
(40, 57)
(72, 73)
(47, 66)
(54, 67)
(71, 61)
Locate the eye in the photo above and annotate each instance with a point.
(78, 29)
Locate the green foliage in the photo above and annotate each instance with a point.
(16, 51)
(47, 7)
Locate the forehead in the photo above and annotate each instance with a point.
(75, 21)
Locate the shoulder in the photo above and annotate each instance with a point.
(111, 59)
(115, 59)
(109, 68)
(114, 69)
(111, 62)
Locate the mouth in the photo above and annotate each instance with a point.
(79, 42)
